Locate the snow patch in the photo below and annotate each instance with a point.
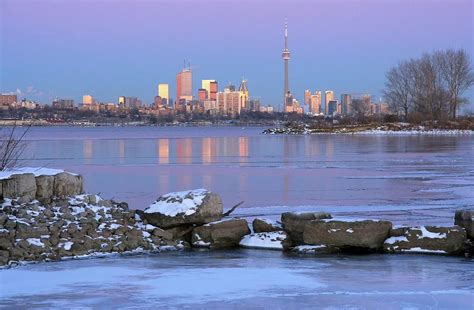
(35, 242)
(37, 171)
(420, 250)
(430, 235)
(265, 240)
(393, 240)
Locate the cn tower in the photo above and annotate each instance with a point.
(286, 57)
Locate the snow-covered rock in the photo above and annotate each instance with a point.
(347, 234)
(427, 239)
(264, 240)
(310, 249)
(198, 206)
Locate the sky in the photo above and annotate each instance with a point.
(54, 48)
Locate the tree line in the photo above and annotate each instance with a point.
(431, 86)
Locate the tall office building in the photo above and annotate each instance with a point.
(332, 107)
(202, 94)
(243, 95)
(307, 97)
(184, 85)
(87, 100)
(315, 103)
(346, 104)
(329, 96)
(206, 84)
(213, 89)
(286, 57)
(228, 101)
(164, 93)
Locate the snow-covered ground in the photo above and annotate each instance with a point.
(243, 279)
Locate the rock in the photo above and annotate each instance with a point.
(44, 186)
(67, 184)
(465, 218)
(428, 239)
(189, 207)
(264, 240)
(20, 186)
(294, 223)
(264, 225)
(4, 257)
(347, 235)
(223, 234)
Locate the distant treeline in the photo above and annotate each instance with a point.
(430, 87)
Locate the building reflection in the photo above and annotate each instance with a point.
(243, 149)
(88, 150)
(121, 150)
(208, 150)
(163, 151)
(184, 151)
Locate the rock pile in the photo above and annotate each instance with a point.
(43, 217)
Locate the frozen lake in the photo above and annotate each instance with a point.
(137, 164)
(249, 279)
(406, 179)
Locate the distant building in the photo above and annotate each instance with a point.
(206, 84)
(63, 103)
(8, 99)
(158, 102)
(202, 94)
(254, 105)
(213, 89)
(329, 96)
(346, 108)
(307, 97)
(87, 100)
(228, 101)
(243, 95)
(184, 85)
(164, 93)
(332, 107)
(129, 102)
(315, 103)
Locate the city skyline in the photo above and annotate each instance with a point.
(60, 67)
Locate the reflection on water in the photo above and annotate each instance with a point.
(138, 164)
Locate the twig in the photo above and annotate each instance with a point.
(232, 209)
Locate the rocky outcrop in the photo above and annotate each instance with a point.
(294, 223)
(218, 235)
(347, 235)
(71, 227)
(195, 207)
(265, 225)
(67, 184)
(427, 239)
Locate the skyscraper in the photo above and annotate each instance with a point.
(163, 92)
(329, 96)
(202, 94)
(206, 84)
(213, 89)
(286, 57)
(184, 85)
(346, 104)
(315, 103)
(307, 97)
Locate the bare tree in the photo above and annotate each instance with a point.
(458, 75)
(399, 88)
(12, 145)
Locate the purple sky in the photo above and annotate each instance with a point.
(113, 48)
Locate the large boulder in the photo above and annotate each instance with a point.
(44, 187)
(265, 225)
(67, 184)
(294, 223)
(222, 234)
(465, 218)
(347, 235)
(188, 207)
(20, 186)
(427, 239)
